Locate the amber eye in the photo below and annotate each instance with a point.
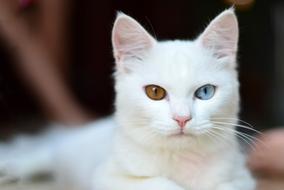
(155, 92)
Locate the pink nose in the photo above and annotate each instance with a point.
(182, 120)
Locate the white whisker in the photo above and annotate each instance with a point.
(237, 125)
(235, 119)
(244, 137)
(211, 136)
(225, 139)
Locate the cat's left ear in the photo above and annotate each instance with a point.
(221, 36)
(129, 39)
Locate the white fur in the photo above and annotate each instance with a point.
(142, 148)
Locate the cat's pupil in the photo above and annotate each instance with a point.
(155, 90)
(205, 90)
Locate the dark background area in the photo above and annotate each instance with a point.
(92, 61)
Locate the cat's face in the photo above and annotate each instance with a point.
(175, 90)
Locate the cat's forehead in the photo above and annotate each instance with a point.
(179, 55)
(173, 61)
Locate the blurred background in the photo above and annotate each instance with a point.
(56, 57)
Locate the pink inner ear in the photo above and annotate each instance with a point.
(221, 36)
(220, 44)
(130, 39)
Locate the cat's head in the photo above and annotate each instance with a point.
(171, 92)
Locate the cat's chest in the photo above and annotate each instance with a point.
(185, 168)
(192, 171)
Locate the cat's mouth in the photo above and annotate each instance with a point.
(181, 134)
(189, 132)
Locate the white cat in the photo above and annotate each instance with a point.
(177, 105)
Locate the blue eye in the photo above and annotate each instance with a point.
(205, 92)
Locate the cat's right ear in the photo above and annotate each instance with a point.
(129, 39)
